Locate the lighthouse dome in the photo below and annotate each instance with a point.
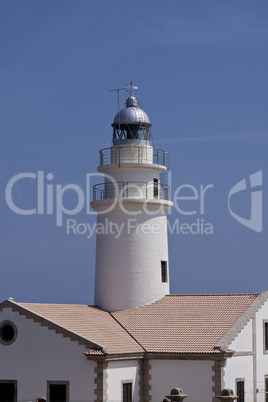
(131, 123)
(131, 113)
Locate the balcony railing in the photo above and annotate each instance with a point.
(131, 189)
(134, 154)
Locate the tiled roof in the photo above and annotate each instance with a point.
(90, 323)
(173, 324)
(184, 323)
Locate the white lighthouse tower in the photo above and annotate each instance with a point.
(131, 205)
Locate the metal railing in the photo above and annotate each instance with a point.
(131, 189)
(134, 154)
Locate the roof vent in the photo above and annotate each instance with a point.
(227, 392)
(176, 391)
(176, 395)
(226, 395)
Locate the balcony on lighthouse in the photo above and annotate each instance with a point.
(132, 152)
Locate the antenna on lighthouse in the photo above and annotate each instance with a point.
(118, 92)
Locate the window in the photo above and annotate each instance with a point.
(265, 336)
(240, 390)
(8, 391)
(58, 391)
(164, 271)
(155, 188)
(127, 392)
(266, 389)
(8, 332)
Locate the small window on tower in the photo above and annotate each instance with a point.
(155, 188)
(164, 271)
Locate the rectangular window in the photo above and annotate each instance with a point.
(240, 390)
(155, 188)
(266, 389)
(58, 391)
(164, 271)
(8, 391)
(266, 336)
(127, 392)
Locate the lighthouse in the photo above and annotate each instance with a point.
(132, 267)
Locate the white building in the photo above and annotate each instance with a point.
(138, 342)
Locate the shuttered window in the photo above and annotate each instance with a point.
(240, 390)
(8, 391)
(266, 335)
(58, 391)
(127, 392)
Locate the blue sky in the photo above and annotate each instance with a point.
(201, 69)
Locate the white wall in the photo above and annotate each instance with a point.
(138, 173)
(240, 367)
(243, 341)
(39, 355)
(262, 358)
(194, 377)
(128, 268)
(121, 371)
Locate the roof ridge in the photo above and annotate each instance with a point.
(121, 325)
(55, 304)
(213, 294)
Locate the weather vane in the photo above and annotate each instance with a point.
(131, 88)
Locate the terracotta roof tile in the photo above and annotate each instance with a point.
(94, 352)
(174, 324)
(90, 323)
(184, 323)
